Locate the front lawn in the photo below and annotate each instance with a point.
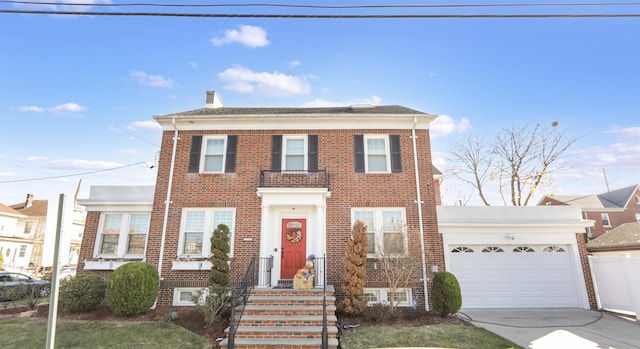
(443, 336)
(32, 333)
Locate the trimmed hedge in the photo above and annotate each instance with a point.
(446, 297)
(82, 293)
(133, 288)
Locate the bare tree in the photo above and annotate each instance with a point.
(520, 159)
(397, 267)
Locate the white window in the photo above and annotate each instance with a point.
(183, 296)
(376, 151)
(196, 230)
(294, 153)
(637, 217)
(23, 250)
(605, 219)
(386, 229)
(28, 225)
(122, 235)
(402, 296)
(213, 154)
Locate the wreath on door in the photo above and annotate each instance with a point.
(294, 236)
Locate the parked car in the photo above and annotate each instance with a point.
(15, 286)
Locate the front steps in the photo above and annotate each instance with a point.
(285, 318)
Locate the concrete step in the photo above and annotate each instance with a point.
(291, 320)
(287, 310)
(294, 300)
(284, 331)
(270, 343)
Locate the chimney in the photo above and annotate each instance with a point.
(213, 100)
(29, 201)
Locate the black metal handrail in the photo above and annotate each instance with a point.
(325, 330)
(239, 300)
(294, 179)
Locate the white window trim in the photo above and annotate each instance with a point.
(378, 221)
(383, 295)
(180, 303)
(203, 153)
(208, 232)
(637, 217)
(285, 138)
(387, 152)
(602, 216)
(122, 239)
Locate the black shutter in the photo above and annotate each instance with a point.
(396, 160)
(230, 162)
(312, 159)
(194, 155)
(276, 153)
(358, 152)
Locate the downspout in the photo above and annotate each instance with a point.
(167, 202)
(419, 202)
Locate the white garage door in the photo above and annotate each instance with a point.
(515, 276)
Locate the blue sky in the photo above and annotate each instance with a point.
(78, 93)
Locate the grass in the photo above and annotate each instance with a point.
(443, 336)
(32, 333)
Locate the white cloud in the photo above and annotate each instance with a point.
(30, 108)
(318, 102)
(295, 64)
(67, 108)
(144, 125)
(193, 64)
(7, 174)
(82, 5)
(73, 164)
(244, 80)
(152, 80)
(625, 131)
(445, 125)
(248, 35)
(128, 151)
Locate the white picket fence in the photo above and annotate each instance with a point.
(617, 283)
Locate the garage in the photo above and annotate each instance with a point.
(515, 257)
(515, 276)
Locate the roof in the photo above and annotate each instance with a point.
(8, 211)
(351, 110)
(625, 236)
(38, 208)
(613, 199)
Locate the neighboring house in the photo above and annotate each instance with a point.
(15, 245)
(39, 226)
(624, 239)
(518, 257)
(608, 210)
(289, 182)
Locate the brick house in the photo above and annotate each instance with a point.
(608, 210)
(289, 182)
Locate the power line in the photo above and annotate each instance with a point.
(313, 16)
(570, 4)
(71, 175)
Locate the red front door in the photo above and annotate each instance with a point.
(293, 252)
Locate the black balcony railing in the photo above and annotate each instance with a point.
(294, 179)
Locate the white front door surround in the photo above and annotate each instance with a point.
(282, 203)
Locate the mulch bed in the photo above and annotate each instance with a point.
(192, 320)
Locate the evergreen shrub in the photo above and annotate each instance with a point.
(82, 293)
(446, 297)
(133, 288)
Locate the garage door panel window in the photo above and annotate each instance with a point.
(462, 249)
(553, 249)
(492, 249)
(523, 249)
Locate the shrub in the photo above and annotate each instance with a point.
(445, 294)
(377, 313)
(133, 288)
(82, 293)
(355, 271)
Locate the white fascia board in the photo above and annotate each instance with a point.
(114, 206)
(293, 196)
(297, 122)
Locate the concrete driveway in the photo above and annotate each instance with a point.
(558, 328)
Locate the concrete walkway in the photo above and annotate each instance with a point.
(558, 328)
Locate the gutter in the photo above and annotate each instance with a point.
(167, 202)
(419, 202)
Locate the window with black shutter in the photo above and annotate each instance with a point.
(358, 152)
(312, 146)
(194, 155)
(396, 159)
(230, 162)
(276, 153)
